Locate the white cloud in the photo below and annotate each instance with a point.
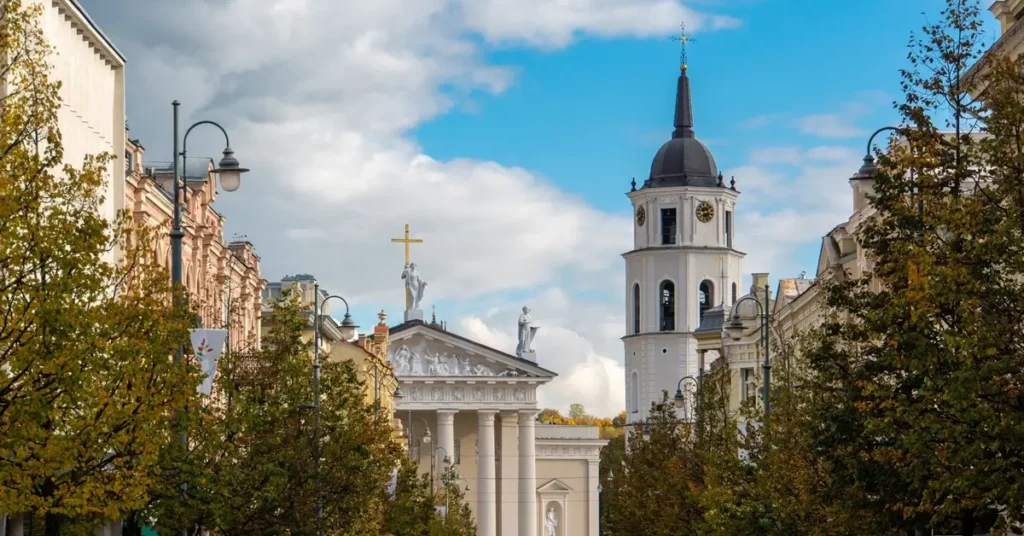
(828, 126)
(578, 339)
(319, 97)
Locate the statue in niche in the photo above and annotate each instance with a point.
(414, 286)
(551, 522)
(527, 331)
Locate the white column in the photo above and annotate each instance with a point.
(445, 437)
(509, 473)
(486, 510)
(593, 497)
(528, 521)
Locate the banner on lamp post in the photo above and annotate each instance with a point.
(208, 344)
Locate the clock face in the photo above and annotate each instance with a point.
(641, 216)
(705, 211)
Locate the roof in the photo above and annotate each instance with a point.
(794, 286)
(196, 168)
(713, 320)
(95, 28)
(405, 326)
(684, 160)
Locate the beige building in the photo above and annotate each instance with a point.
(222, 277)
(92, 113)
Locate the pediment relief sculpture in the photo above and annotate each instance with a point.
(423, 362)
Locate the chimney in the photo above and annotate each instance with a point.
(760, 280)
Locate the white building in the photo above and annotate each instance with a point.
(480, 405)
(682, 264)
(92, 114)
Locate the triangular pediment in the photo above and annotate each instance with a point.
(419, 350)
(554, 486)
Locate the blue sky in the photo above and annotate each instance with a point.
(505, 132)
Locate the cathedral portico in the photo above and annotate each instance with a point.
(480, 407)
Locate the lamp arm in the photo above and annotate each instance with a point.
(184, 141)
(871, 139)
(343, 300)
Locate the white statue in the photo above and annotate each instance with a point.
(403, 361)
(526, 333)
(551, 523)
(433, 368)
(413, 286)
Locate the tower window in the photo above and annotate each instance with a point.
(705, 296)
(734, 293)
(668, 306)
(634, 386)
(636, 308)
(728, 228)
(668, 226)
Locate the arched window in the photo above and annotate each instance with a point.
(668, 306)
(734, 293)
(634, 395)
(636, 308)
(706, 297)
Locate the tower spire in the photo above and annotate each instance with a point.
(684, 107)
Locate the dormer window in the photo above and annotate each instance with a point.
(668, 226)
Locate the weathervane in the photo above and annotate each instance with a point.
(683, 39)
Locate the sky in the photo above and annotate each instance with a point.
(505, 133)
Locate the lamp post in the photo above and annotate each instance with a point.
(680, 398)
(735, 332)
(446, 461)
(230, 175)
(347, 332)
(426, 432)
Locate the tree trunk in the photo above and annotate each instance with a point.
(52, 525)
(967, 524)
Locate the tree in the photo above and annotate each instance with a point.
(262, 464)
(577, 412)
(87, 385)
(457, 519)
(657, 486)
(550, 416)
(917, 387)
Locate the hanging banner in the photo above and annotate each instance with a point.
(208, 345)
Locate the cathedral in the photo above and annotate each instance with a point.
(683, 262)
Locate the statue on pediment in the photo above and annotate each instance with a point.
(414, 285)
(527, 331)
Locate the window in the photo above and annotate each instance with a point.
(668, 306)
(728, 228)
(636, 308)
(748, 385)
(734, 293)
(706, 297)
(668, 226)
(634, 395)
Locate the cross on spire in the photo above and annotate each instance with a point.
(683, 39)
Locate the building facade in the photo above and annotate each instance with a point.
(480, 406)
(92, 113)
(222, 277)
(683, 261)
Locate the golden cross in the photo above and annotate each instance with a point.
(683, 39)
(407, 241)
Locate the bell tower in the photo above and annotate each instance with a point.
(683, 260)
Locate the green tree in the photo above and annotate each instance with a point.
(87, 386)
(457, 519)
(657, 486)
(918, 386)
(577, 412)
(252, 466)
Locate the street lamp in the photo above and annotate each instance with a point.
(347, 332)
(869, 168)
(433, 456)
(735, 330)
(230, 174)
(680, 399)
